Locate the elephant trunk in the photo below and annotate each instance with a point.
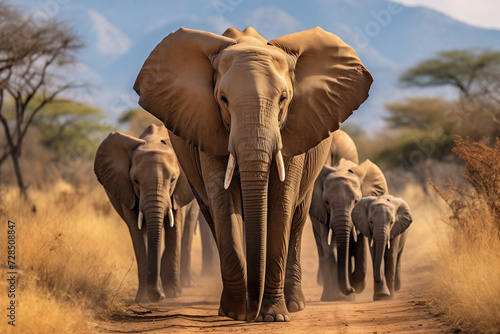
(154, 211)
(255, 141)
(342, 226)
(381, 236)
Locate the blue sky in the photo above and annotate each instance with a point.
(120, 34)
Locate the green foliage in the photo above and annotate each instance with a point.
(71, 129)
(413, 146)
(463, 69)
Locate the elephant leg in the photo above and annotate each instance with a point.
(140, 254)
(282, 209)
(210, 261)
(186, 243)
(225, 211)
(380, 290)
(360, 249)
(317, 238)
(397, 276)
(294, 296)
(171, 259)
(391, 258)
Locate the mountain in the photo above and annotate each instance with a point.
(389, 37)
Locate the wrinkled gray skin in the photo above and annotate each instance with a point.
(343, 262)
(384, 220)
(143, 174)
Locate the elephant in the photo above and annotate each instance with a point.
(147, 187)
(384, 220)
(342, 147)
(250, 121)
(336, 191)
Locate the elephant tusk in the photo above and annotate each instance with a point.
(171, 217)
(229, 171)
(371, 243)
(330, 234)
(354, 234)
(139, 220)
(388, 244)
(280, 165)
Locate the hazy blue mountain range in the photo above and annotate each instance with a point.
(389, 37)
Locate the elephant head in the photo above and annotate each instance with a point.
(144, 175)
(238, 95)
(381, 219)
(336, 191)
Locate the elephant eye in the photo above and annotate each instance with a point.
(327, 203)
(224, 98)
(136, 181)
(283, 97)
(371, 223)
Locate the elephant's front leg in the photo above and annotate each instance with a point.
(186, 243)
(294, 296)
(360, 251)
(171, 259)
(140, 254)
(225, 211)
(281, 206)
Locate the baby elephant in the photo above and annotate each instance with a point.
(384, 220)
(148, 189)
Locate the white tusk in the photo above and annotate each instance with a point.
(280, 165)
(388, 244)
(139, 220)
(171, 217)
(354, 234)
(330, 234)
(371, 243)
(229, 171)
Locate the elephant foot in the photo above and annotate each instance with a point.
(381, 292)
(359, 286)
(172, 291)
(187, 280)
(142, 296)
(294, 297)
(232, 306)
(273, 309)
(337, 297)
(154, 295)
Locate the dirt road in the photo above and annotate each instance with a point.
(196, 310)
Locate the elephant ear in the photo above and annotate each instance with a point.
(403, 217)
(112, 166)
(183, 194)
(373, 180)
(318, 209)
(359, 216)
(176, 84)
(330, 83)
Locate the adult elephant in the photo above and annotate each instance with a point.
(145, 184)
(385, 221)
(250, 120)
(342, 147)
(336, 191)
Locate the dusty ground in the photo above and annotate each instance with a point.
(196, 310)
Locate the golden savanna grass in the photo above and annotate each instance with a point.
(72, 255)
(467, 274)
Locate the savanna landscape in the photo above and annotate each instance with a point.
(73, 260)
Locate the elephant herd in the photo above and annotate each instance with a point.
(251, 140)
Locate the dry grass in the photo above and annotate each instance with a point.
(467, 279)
(72, 253)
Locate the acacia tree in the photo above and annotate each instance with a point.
(30, 55)
(475, 73)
